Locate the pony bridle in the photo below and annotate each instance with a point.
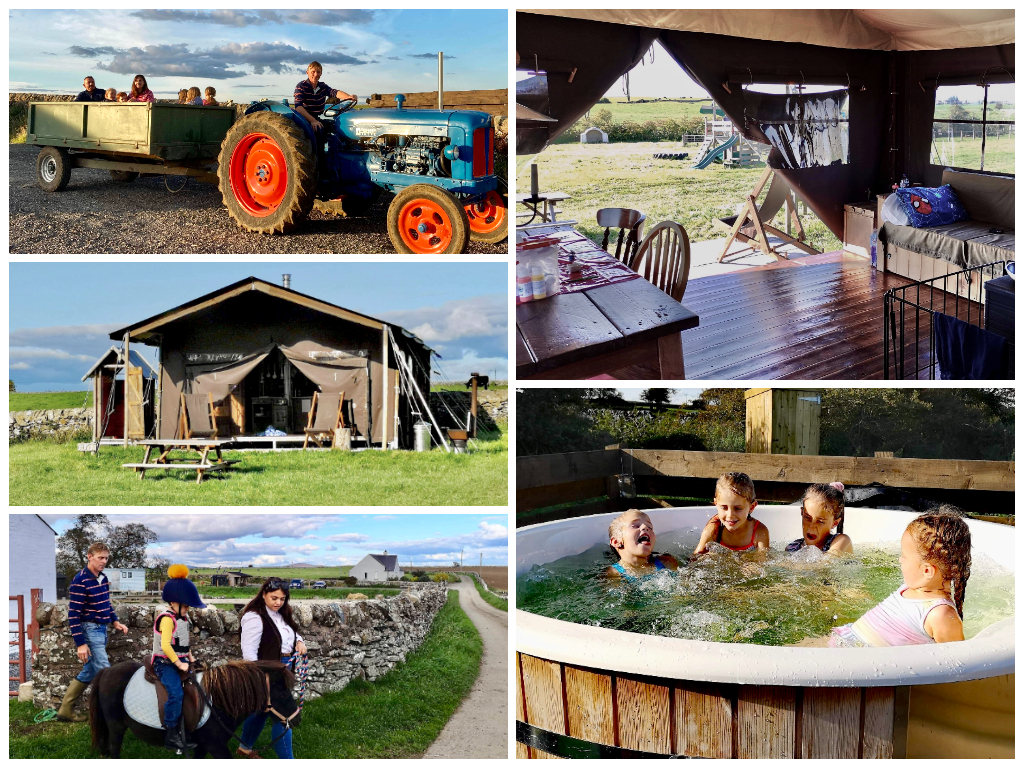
(269, 709)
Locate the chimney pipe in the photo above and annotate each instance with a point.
(440, 80)
(286, 280)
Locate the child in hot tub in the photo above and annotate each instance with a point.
(822, 508)
(935, 558)
(631, 535)
(732, 526)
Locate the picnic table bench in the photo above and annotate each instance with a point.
(165, 460)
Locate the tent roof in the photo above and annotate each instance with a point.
(887, 30)
(145, 330)
(115, 356)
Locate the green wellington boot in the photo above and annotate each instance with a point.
(66, 711)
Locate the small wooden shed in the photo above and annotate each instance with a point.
(108, 396)
(783, 421)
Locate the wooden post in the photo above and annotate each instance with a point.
(386, 379)
(126, 359)
(473, 405)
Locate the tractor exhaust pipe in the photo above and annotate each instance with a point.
(440, 80)
(286, 280)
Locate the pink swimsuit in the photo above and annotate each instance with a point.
(745, 547)
(897, 620)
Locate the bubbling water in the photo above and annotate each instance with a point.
(769, 598)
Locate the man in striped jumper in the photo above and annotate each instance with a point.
(311, 95)
(89, 613)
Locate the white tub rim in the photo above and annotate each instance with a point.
(990, 653)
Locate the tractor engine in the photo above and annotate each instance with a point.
(417, 155)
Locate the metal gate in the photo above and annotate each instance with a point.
(23, 632)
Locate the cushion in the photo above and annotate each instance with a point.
(892, 210)
(931, 206)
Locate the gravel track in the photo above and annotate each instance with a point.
(95, 214)
(479, 727)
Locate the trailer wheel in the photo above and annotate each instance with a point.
(427, 219)
(488, 219)
(267, 172)
(124, 177)
(53, 167)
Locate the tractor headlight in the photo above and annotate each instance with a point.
(451, 152)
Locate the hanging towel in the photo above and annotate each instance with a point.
(966, 351)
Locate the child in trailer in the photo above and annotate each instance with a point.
(822, 508)
(631, 535)
(171, 650)
(210, 99)
(732, 526)
(935, 559)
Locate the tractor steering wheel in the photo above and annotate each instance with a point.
(342, 106)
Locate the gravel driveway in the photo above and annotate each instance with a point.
(95, 214)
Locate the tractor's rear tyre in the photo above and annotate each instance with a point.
(124, 177)
(53, 168)
(267, 171)
(427, 219)
(488, 219)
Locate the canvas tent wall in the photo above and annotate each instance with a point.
(213, 343)
(889, 63)
(108, 395)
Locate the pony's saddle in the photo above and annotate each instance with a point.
(145, 697)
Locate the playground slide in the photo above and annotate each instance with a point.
(709, 158)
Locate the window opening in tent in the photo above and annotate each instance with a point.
(973, 127)
(275, 395)
(809, 124)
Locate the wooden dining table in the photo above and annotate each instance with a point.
(603, 319)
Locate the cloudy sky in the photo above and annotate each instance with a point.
(253, 54)
(211, 540)
(61, 313)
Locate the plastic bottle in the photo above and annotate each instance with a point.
(537, 280)
(524, 284)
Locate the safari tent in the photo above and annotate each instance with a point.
(261, 351)
(888, 63)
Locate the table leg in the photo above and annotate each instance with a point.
(145, 460)
(670, 356)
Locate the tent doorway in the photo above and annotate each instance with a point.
(275, 394)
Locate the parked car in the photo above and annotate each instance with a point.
(319, 585)
(295, 584)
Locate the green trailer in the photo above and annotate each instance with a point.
(126, 138)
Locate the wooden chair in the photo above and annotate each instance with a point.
(663, 258)
(197, 418)
(325, 416)
(630, 224)
(751, 225)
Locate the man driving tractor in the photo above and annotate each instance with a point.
(311, 95)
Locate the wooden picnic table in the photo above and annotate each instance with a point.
(165, 459)
(587, 331)
(545, 205)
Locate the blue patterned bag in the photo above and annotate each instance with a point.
(931, 206)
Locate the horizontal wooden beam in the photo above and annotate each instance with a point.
(558, 468)
(955, 474)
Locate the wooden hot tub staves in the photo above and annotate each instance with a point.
(699, 719)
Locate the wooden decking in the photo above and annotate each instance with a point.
(815, 317)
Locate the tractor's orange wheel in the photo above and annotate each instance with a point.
(267, 171)
(427, 219)
(488, 219)
(259, 174)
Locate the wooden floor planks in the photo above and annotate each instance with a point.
(815, 319)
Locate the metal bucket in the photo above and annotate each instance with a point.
(421, 430)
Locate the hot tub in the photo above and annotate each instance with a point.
(665, 695)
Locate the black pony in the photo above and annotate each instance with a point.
(236, 689)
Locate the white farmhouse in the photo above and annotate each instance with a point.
(32, 561)
(382, 567)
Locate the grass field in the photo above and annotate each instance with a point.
(47, 474)
(48, 401)
(331, 593)
(659, 109)
(490, 598)
(285, 572)
(628, 176)
(495, 576)
(398, 715)
(966, 153)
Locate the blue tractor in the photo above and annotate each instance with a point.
(273, 168)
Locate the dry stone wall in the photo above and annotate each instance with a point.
(59, 422)
(346, 640)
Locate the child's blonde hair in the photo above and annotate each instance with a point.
(831, 497)
(210, 91)
(737, 482)
(182, 95)
(615, 527)
(192, 95)
(944, 540)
